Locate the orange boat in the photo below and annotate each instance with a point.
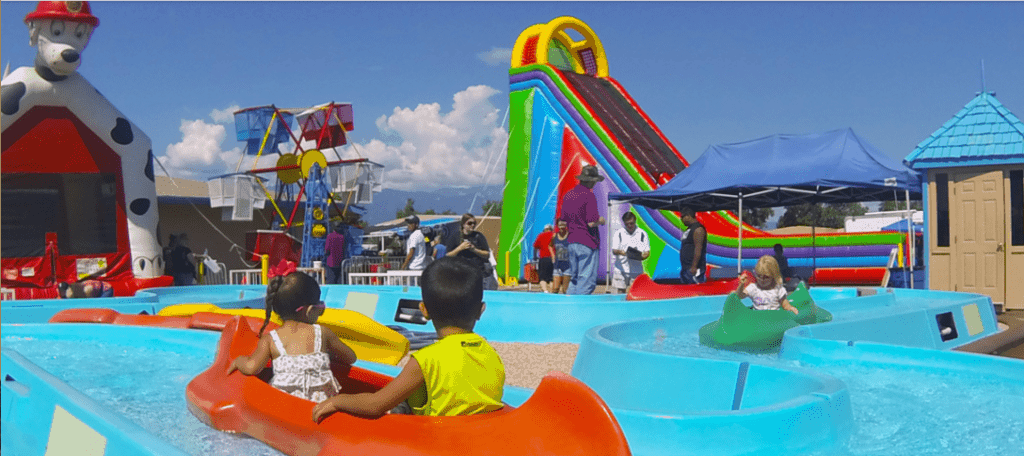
(199, 320)
(562, 417)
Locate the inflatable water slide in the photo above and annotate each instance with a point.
(565, 112)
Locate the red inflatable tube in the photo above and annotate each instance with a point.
(644, 288)
(563, 416)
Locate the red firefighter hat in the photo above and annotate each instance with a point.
(65, 11)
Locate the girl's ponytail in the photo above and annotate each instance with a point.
(271, 299)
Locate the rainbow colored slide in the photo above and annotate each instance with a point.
(566, 112)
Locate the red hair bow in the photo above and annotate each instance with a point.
(283, 268)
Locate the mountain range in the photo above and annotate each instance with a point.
(458, 200)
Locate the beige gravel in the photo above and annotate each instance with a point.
(526, 364)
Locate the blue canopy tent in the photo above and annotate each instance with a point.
(783, 170)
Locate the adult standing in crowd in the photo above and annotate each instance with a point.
(631, 247)
(437, 249)
(579, 209)
(789, 280)
(543, 252)
(172, 241)
(334, 247)
(183, 267)
(692, 252)
(473, 246)
(415, 247)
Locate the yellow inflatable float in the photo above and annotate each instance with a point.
(370, 340)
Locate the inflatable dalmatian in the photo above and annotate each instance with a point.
(50, 89)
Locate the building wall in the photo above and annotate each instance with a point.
(176, 218)
(980, 256)
(1014, 253)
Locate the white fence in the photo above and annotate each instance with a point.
(255, 276)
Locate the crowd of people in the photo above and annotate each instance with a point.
(566, 255)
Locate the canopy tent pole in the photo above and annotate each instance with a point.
(739, 246)
(608, 255)
(814, 246)
(911, 240)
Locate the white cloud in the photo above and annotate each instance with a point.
(200, 153)
(428, 149)
(224, 115)
(496, 56)
(421, 148)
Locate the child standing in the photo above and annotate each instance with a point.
(768, 293)
(460, 374)
(560, 258)
(302, 354)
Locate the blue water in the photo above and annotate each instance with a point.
(897, 412)
(902, 411)
(144, 384)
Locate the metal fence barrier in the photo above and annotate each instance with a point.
(207, 277)
(367, 265)
(401, 278)
(255, 276)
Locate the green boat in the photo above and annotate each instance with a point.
(741, 328)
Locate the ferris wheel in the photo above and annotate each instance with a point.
(302, 175)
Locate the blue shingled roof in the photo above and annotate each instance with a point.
(982, 133)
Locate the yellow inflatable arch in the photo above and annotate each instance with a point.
(539, 43)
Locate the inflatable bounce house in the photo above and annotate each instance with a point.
(566, 111)
(79, 196)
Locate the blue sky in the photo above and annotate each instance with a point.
(429, 80)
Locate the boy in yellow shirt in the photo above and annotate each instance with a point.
(460, 374)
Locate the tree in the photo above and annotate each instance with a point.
(900, 205)
(757, 217)
(828, 215)
(492, 208)
(407, 210)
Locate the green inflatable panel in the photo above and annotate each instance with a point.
(741, 328)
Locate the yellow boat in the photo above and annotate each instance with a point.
(370, 340)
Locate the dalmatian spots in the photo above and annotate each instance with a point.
(122, 132)
(48, 74)
(11, 97)
(140, 264)
(140, 206)
(148, 170)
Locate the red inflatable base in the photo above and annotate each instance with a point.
(121, 288)
(644, 288)
(876, 277)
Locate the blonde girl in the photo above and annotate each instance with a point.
(767, 292)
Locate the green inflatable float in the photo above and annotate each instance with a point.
(744, 329)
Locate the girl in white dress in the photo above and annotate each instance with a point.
(768, 293)
(301, 349)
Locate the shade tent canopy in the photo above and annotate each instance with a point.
(784, 170)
